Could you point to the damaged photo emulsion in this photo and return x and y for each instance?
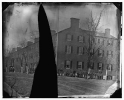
(86, 45)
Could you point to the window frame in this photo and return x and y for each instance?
(109, 68)
(81, 39)
(68, 37)
(82, 65)
(109, 42)
(109, 54)
(80, 50)
(100, 68)
(70, 64)
(68, 49)
(100, 54)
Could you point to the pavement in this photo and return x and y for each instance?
(68, 86)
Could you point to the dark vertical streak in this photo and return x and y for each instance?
(45, 77)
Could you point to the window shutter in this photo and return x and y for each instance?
(107, 53)
(65, 64)
(77, 50)
(71, 37)
(71, 49)
(93, 51)
(98, 52)
(107, 66)
(66, 48)
(78, 38)
(102, 52)
(98, 40)
(70, 64)
(111, 67)
(82, 65)
(93, 66)
(87, 65)
(83, 39)
(97, 66)
(102, 66)
(112, 53)
(112, 42)
(83, 50)
(77, 65)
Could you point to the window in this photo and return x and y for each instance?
(69, 37)
(68, 49)
(100, 66)
(92, 40)
(80, 38)
(100, 53)
(80, 65)
(67, 64)
(98, 41)
(109, 53)
(109, 67)
(110, 42)
(91, 51)
(80, 50)
(91, 65)
(103, 41)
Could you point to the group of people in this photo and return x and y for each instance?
(87, 75)
(23, 69)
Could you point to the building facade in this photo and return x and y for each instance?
(23, 60)
(73, 49)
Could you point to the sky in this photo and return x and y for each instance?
(62, 14)
(59, 19)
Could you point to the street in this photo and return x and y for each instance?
(66, 85)
(80, 86)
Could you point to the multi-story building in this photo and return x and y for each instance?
(73, 49)
(23, 60)
(72, 53)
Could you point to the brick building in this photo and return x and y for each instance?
(73, 59)
(23, 60)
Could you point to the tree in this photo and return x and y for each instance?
(92, 25)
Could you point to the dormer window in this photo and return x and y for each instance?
(69, 37)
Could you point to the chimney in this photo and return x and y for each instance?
(107, 32)
(74, 22)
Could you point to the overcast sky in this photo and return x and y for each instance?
(65, 12)
(59, 19)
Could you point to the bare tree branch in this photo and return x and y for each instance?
(97, 23)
